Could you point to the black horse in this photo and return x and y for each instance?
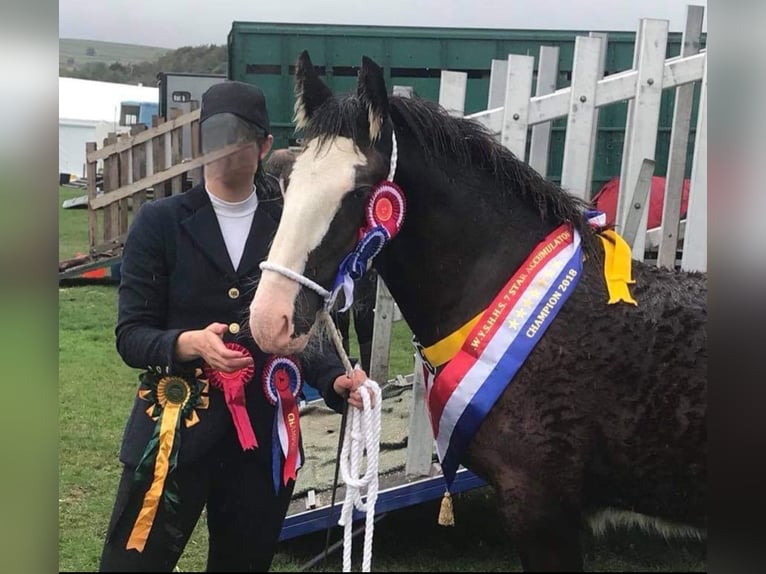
(605, 420)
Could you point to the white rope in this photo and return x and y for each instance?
(297, 277)
(362, 437)
(394, 157)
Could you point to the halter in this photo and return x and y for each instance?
(372, 239)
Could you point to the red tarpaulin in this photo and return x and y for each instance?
(606, 200)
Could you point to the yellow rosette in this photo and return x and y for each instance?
(173, 400)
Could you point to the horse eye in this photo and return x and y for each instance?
(359, 192)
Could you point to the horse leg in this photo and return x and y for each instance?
(545, 529)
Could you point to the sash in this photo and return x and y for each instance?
(461, 395)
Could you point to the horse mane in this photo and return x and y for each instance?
(466, 142)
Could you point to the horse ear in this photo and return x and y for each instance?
(310, 91)
(371, 89)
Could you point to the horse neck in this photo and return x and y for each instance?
(462, 239)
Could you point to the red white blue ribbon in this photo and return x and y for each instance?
(465, 390)
(384, 218)
(282, 381)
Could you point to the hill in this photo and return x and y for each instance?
(135, 64)
(74, 54)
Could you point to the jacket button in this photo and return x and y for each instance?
(233, 293)
(234, 328)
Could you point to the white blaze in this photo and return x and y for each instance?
(318, 182)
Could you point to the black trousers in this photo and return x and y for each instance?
(244, 516)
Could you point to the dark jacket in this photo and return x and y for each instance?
(176, 276)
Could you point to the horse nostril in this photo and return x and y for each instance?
(284, 330)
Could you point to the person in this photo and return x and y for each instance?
(202, 431)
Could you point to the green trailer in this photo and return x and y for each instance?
(265, 54)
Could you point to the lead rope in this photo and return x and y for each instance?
(362, 435)
(363, 427)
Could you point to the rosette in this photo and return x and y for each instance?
(386, 208)
(233, 387)
(172, 399)
(282, 382)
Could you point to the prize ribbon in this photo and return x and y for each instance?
(282, 383)
(233, 387)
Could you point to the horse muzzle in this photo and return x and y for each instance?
(271, 316)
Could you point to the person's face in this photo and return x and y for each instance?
(241, 164)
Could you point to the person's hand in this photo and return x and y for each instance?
(208, 344)
(344, 384)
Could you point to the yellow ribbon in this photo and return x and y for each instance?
(442, 351)
(617, 267)
(143, 524)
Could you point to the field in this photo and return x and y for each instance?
(96, 391)
(74, 53)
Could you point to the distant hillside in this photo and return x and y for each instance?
(74, 54)
(134, 64)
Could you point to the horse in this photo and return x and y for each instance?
(604, 422)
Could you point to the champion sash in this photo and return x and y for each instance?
(461, 395)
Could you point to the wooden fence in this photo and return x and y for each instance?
(147, 161)
(514, 115)
(522, 121)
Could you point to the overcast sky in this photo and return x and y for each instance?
(174, 23)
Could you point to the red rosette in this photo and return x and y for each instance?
(233, 387)
(386, 207)
(282, 383)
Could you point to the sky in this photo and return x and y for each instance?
(175, 23)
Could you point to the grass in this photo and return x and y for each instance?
(96, 391)
(73, 53)
(73, 225)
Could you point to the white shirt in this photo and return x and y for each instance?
(235, 220)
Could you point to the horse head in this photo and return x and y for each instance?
(347, 151)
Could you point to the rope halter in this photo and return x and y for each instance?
(385, 214)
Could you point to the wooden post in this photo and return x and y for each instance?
(594, 137)
(420, 440)
(498, 76)
(381, 333)
(138, 170)
(578, 153)
(679, 143)
(176, 153)
(694, 257)
(111, 183)
(639, 207)
(518, 90)
(159, 163)
(642, 140)
(125, 168)
(547, 74)
(196, 148)
(92, 219)
(452, 88)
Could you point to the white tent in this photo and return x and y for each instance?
(88, 111)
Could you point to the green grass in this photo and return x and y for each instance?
(73, 225)
(96, 391)
(106, 52)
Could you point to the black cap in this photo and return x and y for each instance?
(243, 100)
